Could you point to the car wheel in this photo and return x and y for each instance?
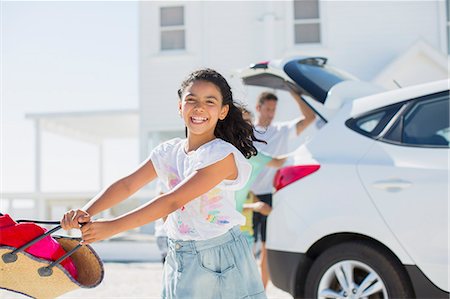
(356, 270)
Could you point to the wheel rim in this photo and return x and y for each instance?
(351, 279)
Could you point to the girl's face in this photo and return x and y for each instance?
(201, 108)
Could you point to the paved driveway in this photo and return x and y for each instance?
(131, 280)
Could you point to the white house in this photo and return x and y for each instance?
(361, 37)
(378, 41)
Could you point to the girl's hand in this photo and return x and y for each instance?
(73, 219)
(97, 230)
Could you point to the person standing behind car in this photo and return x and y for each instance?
(246, 202)
(277, 136)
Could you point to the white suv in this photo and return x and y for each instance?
(362, 212)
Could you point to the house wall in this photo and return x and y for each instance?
(361, 37)
(364, 36)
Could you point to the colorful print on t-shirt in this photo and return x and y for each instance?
(211, 214)
(185, 229)
(210, 205)
(172, 178)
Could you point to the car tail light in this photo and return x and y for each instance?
(260, 65)
(290, 174)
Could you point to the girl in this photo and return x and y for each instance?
(208, 256)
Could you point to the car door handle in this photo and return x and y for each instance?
(392, 185)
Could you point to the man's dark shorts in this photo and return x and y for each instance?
(259, 220)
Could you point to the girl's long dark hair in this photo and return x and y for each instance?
(233, 128)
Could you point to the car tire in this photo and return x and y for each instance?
(357, 270)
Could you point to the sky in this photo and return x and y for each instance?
(65, 57)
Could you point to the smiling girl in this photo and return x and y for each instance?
(208, 256)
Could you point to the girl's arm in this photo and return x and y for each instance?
(192, 187)
(115, 193)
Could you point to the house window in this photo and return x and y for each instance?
(306, 22)
(172, 28)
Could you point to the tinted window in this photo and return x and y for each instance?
(372, 123)
(395, 133)
(427, 123)
(369, 123)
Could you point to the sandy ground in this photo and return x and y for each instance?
(132, 270)
(132, 280)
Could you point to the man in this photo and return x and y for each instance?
(277, 137)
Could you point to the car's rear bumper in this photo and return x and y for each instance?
(288, 270)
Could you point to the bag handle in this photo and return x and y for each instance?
(11, 257)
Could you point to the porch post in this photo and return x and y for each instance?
(40, 201)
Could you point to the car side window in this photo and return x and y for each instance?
(427, 123)
(372, 123)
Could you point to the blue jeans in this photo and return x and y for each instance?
(221, 267)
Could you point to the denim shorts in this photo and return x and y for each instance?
(250, 238)
(220, 267)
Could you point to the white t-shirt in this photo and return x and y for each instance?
(213, 213)
(277, 137)
(160, 231)
(159, 224)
